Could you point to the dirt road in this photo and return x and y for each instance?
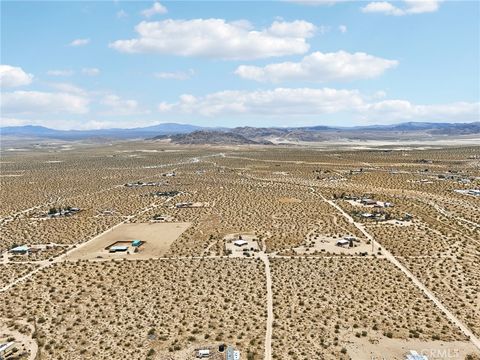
(268, 334)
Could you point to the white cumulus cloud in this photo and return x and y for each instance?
(320, 67)
(402, 110)
(156, 8)
(309, 103)
(176, 75)
(66, 72)
(279, 101)
(80, 42)
(35, 102)
(91, 71)
(121, 107)
(217, 38)
(121, 14)
(410, 7)
(317, 2)
(12, 76)
(69, 88)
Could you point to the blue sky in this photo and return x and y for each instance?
(274, 63)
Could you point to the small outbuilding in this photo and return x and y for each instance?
(23, 249)
(113, 249)
(203, 353)
(232, 354)
(136, 243)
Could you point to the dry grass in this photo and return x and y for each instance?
(10, 272)
(107, 310)
(319, 302)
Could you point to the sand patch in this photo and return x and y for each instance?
(288, 200)
(157, 238)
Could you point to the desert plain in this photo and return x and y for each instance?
(281, 252)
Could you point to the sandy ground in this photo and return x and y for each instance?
(287, 200)
(157, 237)
(397, 223)
(380, 347)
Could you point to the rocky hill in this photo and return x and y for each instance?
(202, 137)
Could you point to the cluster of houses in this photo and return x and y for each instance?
(424, 161)
(366, 201)
(375, 216)
(30, 249)
(186, 205)
(124, 248)
(107, 212)
(381, 216)
(141, 184)
(443, 177)
(165, 193)
(68, 211)
(421, 181)
(161, 218)
(332, 178)
(183, 205)
(347, 241)
(229, 352)
(471, 192)
(461, 179)
(356, 171)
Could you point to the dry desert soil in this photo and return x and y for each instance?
(407, 276)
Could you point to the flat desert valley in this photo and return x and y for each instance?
(149, 250)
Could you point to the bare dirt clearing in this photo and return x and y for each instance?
(157, 238)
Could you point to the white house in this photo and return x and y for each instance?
(240, 242)
(342, 242)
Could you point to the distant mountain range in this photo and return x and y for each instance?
(191, 134)
(141, 132)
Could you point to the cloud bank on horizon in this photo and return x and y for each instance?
(276, 64)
